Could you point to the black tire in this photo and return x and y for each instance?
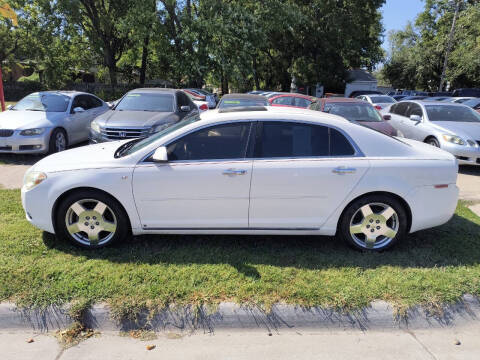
(54, 146)
(432, 141)
(354, 216)
(114, 214)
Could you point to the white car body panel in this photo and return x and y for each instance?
(301, 196)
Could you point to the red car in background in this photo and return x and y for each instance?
(356, 110)
(290, 100)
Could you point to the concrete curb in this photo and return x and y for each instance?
(228, 316)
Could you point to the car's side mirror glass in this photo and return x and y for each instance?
(185, 108)
(416, 118)
(160, 155)
(78, 110)
(387, 117)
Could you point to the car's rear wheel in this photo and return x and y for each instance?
(373, 223)
(91, 219)
(58, 141)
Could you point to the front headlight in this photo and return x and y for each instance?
(454, 139)
(32, 179)
(32, 132)
(95, 127)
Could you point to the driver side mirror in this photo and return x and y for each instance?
(78, 110)
(9, 107)
(185, 108)
(416, 118)
(160, 155)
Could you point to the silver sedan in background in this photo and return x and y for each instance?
(379, 102)
(452, 127)
(48, 121)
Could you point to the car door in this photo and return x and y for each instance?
(398, 117)
(204, 185)
(301, 173)
(78, 123)
(183, 100)
(414, 129)
(96, 107)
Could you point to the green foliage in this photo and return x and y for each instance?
(417, 53)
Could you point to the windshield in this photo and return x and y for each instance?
(354, 111)
(43, 102)
(228, 103)
(451, 113)
(146, 102)
(382, 99)
(145, 142)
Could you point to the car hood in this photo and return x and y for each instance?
(84, 157)
(14, 119)
(116, 118)
(382, 126)
(469, 130)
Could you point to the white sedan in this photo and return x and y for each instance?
(245, 171)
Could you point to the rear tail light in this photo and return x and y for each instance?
(441, 186)
(378, 107)
(203, 107)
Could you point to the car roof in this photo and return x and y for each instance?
(155, 90)
(244, 96)
(431, 102)
(283, 94)
(343, 100)
(69, 93)
(271, 112)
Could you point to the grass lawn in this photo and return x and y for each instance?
(429, 268)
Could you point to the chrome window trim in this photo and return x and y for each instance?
(357, 154)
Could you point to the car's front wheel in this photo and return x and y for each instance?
(373, 223)
(58, 141)
(91, 219)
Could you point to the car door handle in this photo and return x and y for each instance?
(344, 170)
(234, 172)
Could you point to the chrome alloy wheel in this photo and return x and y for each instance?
(60, 141)
(90, 222)
(374, 225)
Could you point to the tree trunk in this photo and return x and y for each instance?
(143, 69)
(255, 74)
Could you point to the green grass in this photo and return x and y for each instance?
(430, 267)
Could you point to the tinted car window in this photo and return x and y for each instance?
(339, 144)
(382, 99)
(82, 101)
(94, 102)
(283, 100)
(301, 102)
(182, 100)
(452, 113)
(401, 109)
(414, 109)
(146, 102)
(216, 142)
(284, 139)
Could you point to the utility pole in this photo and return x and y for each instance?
(449, 45)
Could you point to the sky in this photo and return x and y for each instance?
(396, 14)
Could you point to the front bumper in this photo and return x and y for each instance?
(97, 138)
(37, 208)
(19, 144)
(466, 155)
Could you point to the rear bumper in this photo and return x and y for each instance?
(431, 206)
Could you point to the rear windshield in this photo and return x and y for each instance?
(354, 111)
(382, 99)
(451, 113)
(228, 103)
(474, 103)
(146, 102)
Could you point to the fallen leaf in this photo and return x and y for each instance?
(30, 340)
(150, 347)
(457, 342)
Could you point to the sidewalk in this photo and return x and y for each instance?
(286, 344)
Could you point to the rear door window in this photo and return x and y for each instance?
(283, 100)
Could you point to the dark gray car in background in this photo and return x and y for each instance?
(140, 113)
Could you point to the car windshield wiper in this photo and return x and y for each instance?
(125, 147)
(33, 110)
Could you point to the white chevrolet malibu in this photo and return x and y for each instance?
(246, 171)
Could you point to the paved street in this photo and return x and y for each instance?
(291, 344)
